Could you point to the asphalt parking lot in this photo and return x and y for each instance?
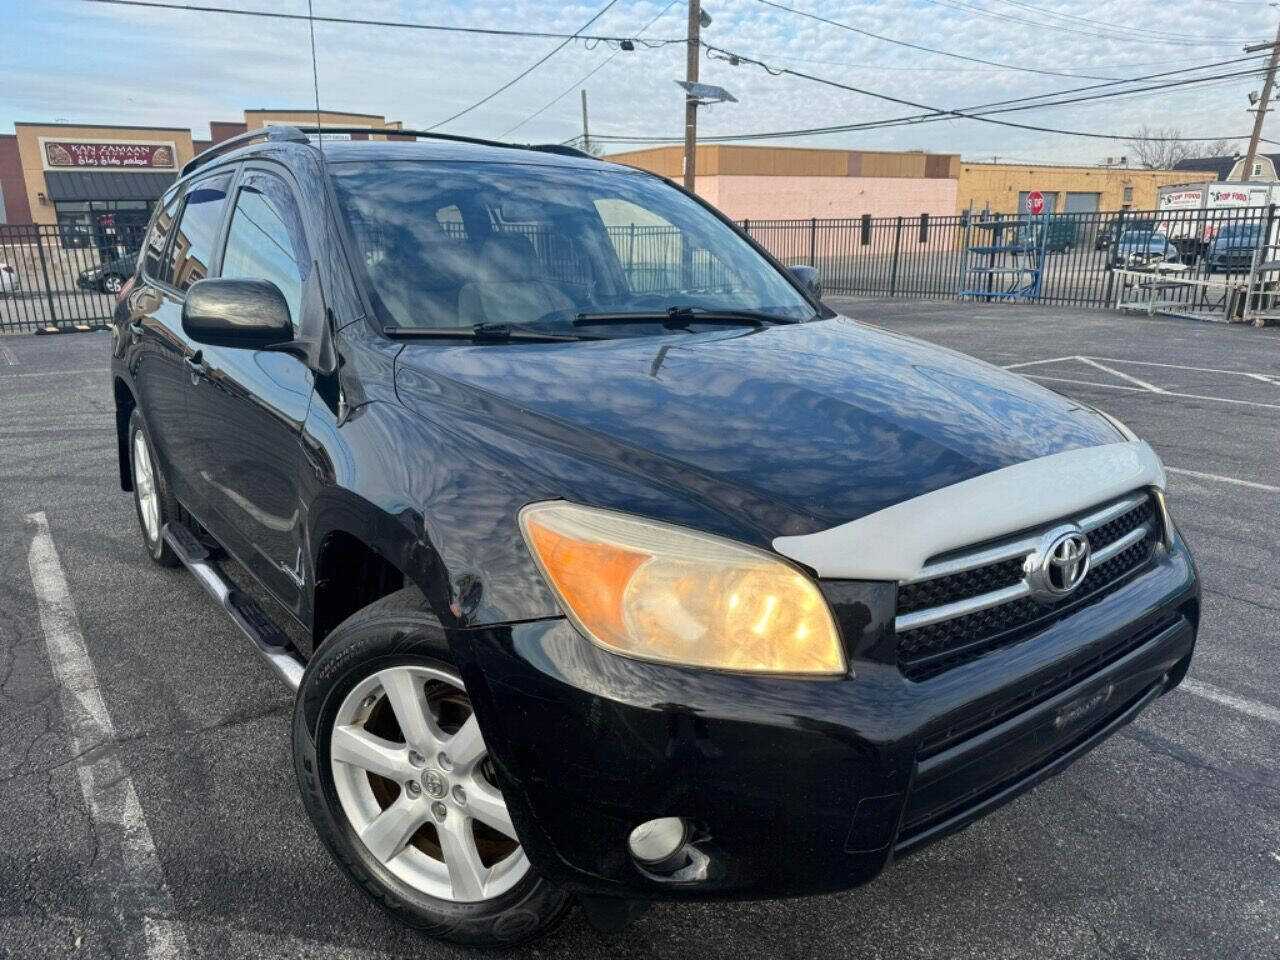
(147, 794)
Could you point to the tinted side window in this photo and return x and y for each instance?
(192, 250)
(153, 262)
(266, 240)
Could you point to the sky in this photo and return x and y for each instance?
(87, 62)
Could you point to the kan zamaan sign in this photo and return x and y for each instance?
(72, 154)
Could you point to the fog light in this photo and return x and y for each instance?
(658, 844)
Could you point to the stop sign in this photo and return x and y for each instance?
(1035, 203)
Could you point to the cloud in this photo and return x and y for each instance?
(125, 65)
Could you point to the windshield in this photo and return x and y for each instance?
(1240, 231)
(450, 244)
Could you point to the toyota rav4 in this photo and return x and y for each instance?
(609, 565)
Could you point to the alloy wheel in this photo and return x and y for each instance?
(144, 481)
(111, 283)
(414, 780)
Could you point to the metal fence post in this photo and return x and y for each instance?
(1253, 295)
(893, 269)
(746, 226)
(48, 287)
(813, 241)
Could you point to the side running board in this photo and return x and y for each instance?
(271, 641)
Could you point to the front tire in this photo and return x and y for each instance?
(111, 283)
(396, 778)
(152, 500)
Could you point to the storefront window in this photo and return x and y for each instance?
(115, 227)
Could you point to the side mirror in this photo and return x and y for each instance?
(809, 279)
(223, 312)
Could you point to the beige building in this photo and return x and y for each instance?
(788, 183)
(99, 182)
(1003, 187)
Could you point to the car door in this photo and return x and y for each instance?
(163, 355)
(248, 406)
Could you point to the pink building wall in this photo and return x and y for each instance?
(787, 198)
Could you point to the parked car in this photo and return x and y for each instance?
(109, 277)
(1142, 248)
(699, 591)
(1115, 227)
(1059, 234)
(1233, 247)
(9, 282)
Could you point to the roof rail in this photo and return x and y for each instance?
(430, 135)
(279, 133)
(562, 149)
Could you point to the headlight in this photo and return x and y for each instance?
(658, 592)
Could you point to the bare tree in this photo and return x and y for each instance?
(1219, 148)
(1160, 148)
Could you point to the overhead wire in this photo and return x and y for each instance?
(919, 46)
(1152, 38)
(396, 24)
(940, 113)
(528, 70)
(585, 77)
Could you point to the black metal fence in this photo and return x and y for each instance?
(1079, 259)
(52, 275)
(1204, 262)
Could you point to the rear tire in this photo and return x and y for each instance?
(154, 504)
(382, 692)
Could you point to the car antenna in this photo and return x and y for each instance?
(343, 409)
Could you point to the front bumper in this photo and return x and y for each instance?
(806, 786)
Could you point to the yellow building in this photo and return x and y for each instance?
(1003, 187)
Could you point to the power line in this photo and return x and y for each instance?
(587, 76)
(939, 113)
(1183, 41)
(917, 46)
(396, 24)
(524, 73)
(1043, 11)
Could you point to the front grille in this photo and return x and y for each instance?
(967, 603)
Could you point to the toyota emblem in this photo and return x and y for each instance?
(1059, 565)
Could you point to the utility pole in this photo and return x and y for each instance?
(1260, 110)
(586, 134)
(690, 101)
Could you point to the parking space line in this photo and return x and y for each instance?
(141, 894)
(52, 373)
(1120, 386)
(1034, 363)
(1253, 708)
(1123, 376)
(1264, 377)
(1251, 484)
(7, 355)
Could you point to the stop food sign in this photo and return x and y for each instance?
(1035, 203)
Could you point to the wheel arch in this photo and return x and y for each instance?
(361, 554)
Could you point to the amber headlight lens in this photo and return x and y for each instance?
(660, 592)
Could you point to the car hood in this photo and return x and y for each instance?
(788, 428)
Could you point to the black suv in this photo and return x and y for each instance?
(626, 570)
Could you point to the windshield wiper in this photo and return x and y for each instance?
(681, 316)
(483, 333)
